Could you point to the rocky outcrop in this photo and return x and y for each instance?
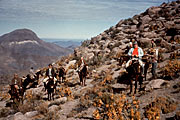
(156, 23)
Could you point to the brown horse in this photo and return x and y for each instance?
(135, 74)
(61, 74)
(123, 59)
(16, 94)
(82, 75)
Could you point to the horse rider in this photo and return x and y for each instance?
(154, 53)
(128, 47)
(50, 74)
(31, 72)
(16, 81)
(81, 64)
(136, 53)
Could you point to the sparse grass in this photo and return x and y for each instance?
(172, 69)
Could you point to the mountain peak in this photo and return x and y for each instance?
(19, 35)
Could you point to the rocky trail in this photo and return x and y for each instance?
(105, 95)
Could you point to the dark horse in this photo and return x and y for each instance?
(135, 74)
(82, 75)
(51, 87)
(31, 82)
(123, 59)
(61, 74)
(16, 94)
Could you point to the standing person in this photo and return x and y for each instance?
(50, 74)
(16, 81)
(154, 59)
(136, 53)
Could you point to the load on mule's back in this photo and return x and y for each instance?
(82, 71)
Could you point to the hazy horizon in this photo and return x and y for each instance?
(68, 19)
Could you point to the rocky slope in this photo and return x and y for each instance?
(22, 49)
(105, 96)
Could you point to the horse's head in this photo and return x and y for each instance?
(122, 59)
(136, 66)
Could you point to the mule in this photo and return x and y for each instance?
(61, 75)
(17, 95)
(51, 87)
(82, 75)
(135, 74)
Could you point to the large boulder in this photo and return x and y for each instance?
(145, 42)
(17, 116)
(146, 19)
(155, 84)
(53, 108)
(31, 114)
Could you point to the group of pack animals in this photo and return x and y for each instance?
(50, 86)
(134, 73)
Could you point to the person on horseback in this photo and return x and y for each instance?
(32, 73)
(50, 74)
(16, 81)
(136, 53)
(81, 64)
(128, 47)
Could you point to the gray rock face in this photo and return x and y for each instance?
(155, 84)
(17, 116)
(31, 114)
(53, 108)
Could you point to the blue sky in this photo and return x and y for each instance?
(76, 19)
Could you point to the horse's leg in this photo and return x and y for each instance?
(81, 80)
(136, 79)
(84, 80)
(140, 82)
(53, 95)
(48, 96)
(44, 86)
(131, 86)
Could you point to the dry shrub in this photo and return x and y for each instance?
(108, 79)
(4, 112)
(172, 69)
(51, 116)
(42, 108)
(116, 107)
(65, 92)
(166, 105)
(29, 104)
(4, 96)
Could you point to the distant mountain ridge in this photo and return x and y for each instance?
(66, 43)
(22, 49)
